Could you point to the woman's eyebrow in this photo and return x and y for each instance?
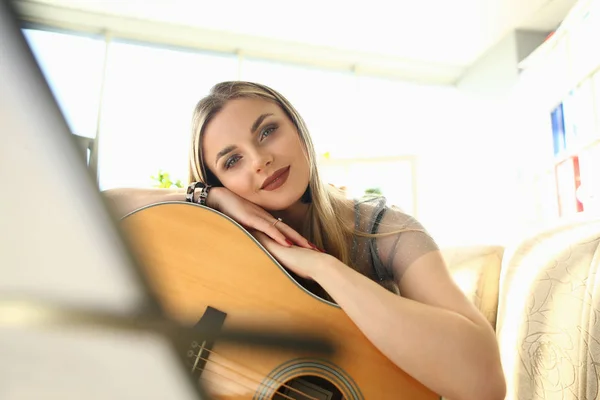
(226, 150)
(259, 121)
(253, 129)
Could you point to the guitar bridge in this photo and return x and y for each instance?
(212, 321)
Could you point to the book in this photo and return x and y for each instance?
(558, 129)
(567, 183)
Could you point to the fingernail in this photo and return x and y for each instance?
(314, 247)
(289, 242)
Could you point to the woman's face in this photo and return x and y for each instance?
(254, 149)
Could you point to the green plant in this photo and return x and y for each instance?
(164, 181)
(373, 192)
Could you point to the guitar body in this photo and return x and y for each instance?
(197, 259)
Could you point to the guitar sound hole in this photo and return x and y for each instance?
(308, 387)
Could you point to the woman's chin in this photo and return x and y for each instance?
(281, 202)
(278, 206)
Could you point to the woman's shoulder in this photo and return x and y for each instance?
(376, 213)
(401, 238)
(392, 237)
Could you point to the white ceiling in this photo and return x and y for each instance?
(440, 34)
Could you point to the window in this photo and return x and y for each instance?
(368, 132)
(401, 118)
(150, 94)
(394, 177)
(73, 66)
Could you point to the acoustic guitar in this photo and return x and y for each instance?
(205, 267)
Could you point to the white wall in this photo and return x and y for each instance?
(474, 170)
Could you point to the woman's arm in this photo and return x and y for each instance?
(440, 339)
(123, 201)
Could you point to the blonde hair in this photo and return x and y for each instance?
(325, 228)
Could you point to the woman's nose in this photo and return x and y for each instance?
(261, 161)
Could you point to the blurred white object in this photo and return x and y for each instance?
(59, 247)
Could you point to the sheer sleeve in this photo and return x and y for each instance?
(403, 240)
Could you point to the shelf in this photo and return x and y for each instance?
(562, 76)
(566, 58)
(574, 20)
(565, 155)
(548, 167)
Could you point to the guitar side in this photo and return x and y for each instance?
(196, 258)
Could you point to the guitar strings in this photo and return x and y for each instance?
(282, 384)
(217, 383)
(273, 380)
(238, 383)
(247, 377)
(223, 385)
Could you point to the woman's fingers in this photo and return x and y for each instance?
(270, 229)
(282, 233)
(290, 235)
(276, 229)
(294, 236)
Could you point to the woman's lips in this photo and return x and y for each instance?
(276, 180)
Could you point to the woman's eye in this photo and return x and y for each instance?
(231, 161)
(267, 131)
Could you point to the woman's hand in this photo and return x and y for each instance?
(253, 217)
(303, 262)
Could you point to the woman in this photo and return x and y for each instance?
(253, 150)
